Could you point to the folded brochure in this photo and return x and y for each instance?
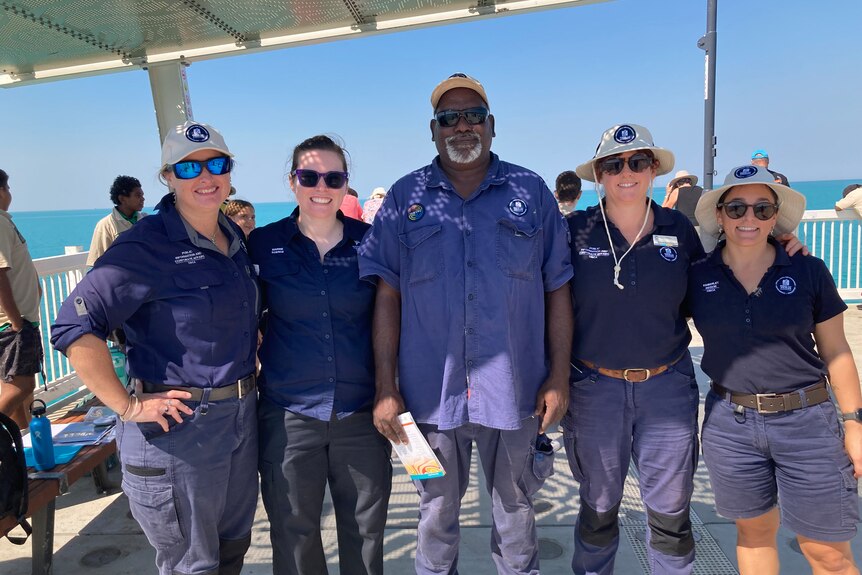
(417, 456)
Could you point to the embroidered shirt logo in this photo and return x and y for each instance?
(785, 285)
(189, 257)
(279, 250)
(518, 207)
(710, 287)
(668, 253)
(594, 253)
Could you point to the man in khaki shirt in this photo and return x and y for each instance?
(20, 340)
(852, 199)
(128, 198)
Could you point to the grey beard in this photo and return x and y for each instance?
(463, 157)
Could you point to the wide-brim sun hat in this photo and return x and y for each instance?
(681, 175)
(791, 204)
(379, 192)
(626, 138)
(190, 137)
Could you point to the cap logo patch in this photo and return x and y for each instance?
(624, 134)
(668, 253)
(744, 172)
(415, 212)
(518, 207)
(197, 133)
(785, 285)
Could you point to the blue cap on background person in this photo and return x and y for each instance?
(759, 155)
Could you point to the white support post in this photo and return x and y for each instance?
(170, 95)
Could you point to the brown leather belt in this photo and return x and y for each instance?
(776, 402)
(632, 375)
(235, 390)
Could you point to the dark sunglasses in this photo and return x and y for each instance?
(637, 163)
(190, 169)
(735, 209)
(450, 118)
(309, 178)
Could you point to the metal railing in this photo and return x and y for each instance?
(58, 276)
(836, 238)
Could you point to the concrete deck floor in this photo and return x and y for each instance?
(95, 534)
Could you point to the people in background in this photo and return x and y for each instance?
(851, 199)
(128, 198)
(567, 190)
(761, 159)
(772, 328)
(182, 286)
(20, 339)
(350, 206)
(317, 379)
(682, 193)
(241, 212)
(372, 204)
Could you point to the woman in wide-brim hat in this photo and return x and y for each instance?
(772, 441)
(633, 392)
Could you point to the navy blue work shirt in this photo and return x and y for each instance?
(643, 325)
(472, 276)
(762, 342)
(316, 354)
(189, 312)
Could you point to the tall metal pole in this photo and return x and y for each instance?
(708, 44)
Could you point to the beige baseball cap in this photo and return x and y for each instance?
(457, 80)
(188, 138)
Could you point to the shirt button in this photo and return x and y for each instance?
(326, 271)
(748, 320)
(468, 232)
(469, 263)
(470, 363)
(748, 311)
(470, 297)
(331, 379)
(245, 304)
(328, 358)
(323, 292)
(236, 275)
(633, 283)
(326, 336)
(325, 314)
(470, 330)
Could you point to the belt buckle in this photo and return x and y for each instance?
(764, 396)
(643, 369)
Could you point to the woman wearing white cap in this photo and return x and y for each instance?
(633, 391)
(771, 436)
(182, 287)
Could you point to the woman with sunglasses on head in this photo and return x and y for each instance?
(771, 436)
(317, 380)
(188, 432)
(633, 391)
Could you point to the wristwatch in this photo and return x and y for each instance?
(852, 416)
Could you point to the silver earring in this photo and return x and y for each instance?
(720, 230)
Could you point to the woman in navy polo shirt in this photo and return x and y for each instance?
(633, 391)
(317, 380)
(182, 287)
(771, 433)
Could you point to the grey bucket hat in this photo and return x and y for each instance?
(626, 138)
(791, 204)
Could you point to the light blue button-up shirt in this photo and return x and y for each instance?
(473, 276)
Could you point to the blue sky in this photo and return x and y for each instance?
(789, 81)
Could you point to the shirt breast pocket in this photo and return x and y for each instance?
(197, 295)
(518, 249)
(422, 254)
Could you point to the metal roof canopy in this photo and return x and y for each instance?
(44, 40)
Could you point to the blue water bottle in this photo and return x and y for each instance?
(40, 432)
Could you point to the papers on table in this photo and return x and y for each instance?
(80, 433)
(417, 456)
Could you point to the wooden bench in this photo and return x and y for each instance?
(46, 486)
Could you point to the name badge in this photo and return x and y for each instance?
(665, 241)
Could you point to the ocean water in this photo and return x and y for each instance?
(48, 232)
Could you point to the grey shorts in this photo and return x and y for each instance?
(20, 352)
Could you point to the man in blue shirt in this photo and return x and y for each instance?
(474, 256)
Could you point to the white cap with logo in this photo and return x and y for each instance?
(188, 138)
